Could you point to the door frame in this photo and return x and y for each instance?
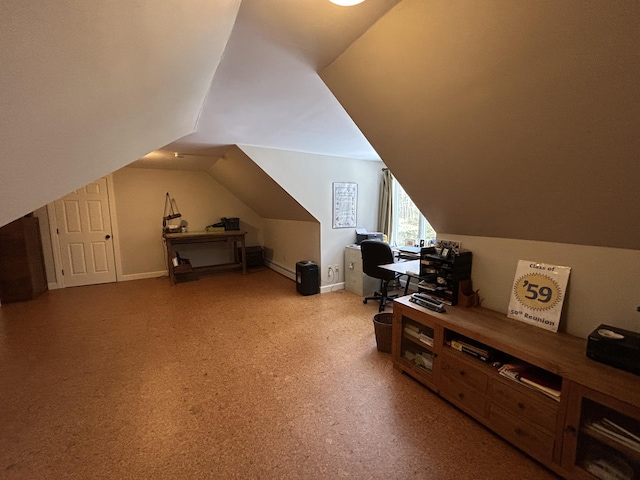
(115, 236)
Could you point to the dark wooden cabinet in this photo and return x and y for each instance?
(22, 272)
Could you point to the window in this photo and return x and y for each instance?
(409, 225)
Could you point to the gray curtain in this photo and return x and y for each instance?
(386, 204)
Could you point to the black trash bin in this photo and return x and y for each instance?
(307, 278)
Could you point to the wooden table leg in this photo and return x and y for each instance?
(244, 256)
(172, 276)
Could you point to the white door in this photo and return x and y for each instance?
(84, 235)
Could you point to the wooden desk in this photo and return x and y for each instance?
(230, 236)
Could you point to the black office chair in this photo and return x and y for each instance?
(374, 253)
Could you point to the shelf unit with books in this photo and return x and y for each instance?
(550, 399)
(604, 440)
(416, 348)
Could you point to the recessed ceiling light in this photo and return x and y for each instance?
(346, 3)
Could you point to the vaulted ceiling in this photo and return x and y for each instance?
(91, 87)
(504, 119)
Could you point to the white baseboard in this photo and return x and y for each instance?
(281, 270)
(332, 288)
(52, 286)
(141, 276)
(292, 276)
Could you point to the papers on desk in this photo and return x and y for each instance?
(408, 253)
(430, 286)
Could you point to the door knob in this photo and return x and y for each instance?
(107, 237)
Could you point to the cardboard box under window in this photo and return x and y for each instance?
(254, 256)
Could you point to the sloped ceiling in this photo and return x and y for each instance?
(267, 91)
(88, 87)
(247, 181)
(506, 119)
(500, 118)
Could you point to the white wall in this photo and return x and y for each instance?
(309, 179)
(140, 196)
(287, 242)
(603, 284)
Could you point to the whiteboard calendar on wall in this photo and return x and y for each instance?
(345, 204)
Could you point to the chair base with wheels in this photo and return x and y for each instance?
(375, 253)
(382, 296)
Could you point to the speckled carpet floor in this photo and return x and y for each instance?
(231, 376)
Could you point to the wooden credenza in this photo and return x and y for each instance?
(559, 434)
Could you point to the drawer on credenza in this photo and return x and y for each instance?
(525, 403)
(463, 395)
(533, 440)
(465, 372)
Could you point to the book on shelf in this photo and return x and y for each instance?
(415, 332)
(475, 349)
(427, 340)
(485, 356)
(422, 360)
(609, 467)
(412, 330)
(533, 377)
(542, 380)
(512, 370)
(615, 432)
(458, 343)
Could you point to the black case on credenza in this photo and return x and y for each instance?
(621, 353)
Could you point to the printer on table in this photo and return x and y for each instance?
(362, 234)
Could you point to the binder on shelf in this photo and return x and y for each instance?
(459, 344)
(474, 349)
(485, 357)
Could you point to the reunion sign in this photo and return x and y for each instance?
(538, 294)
